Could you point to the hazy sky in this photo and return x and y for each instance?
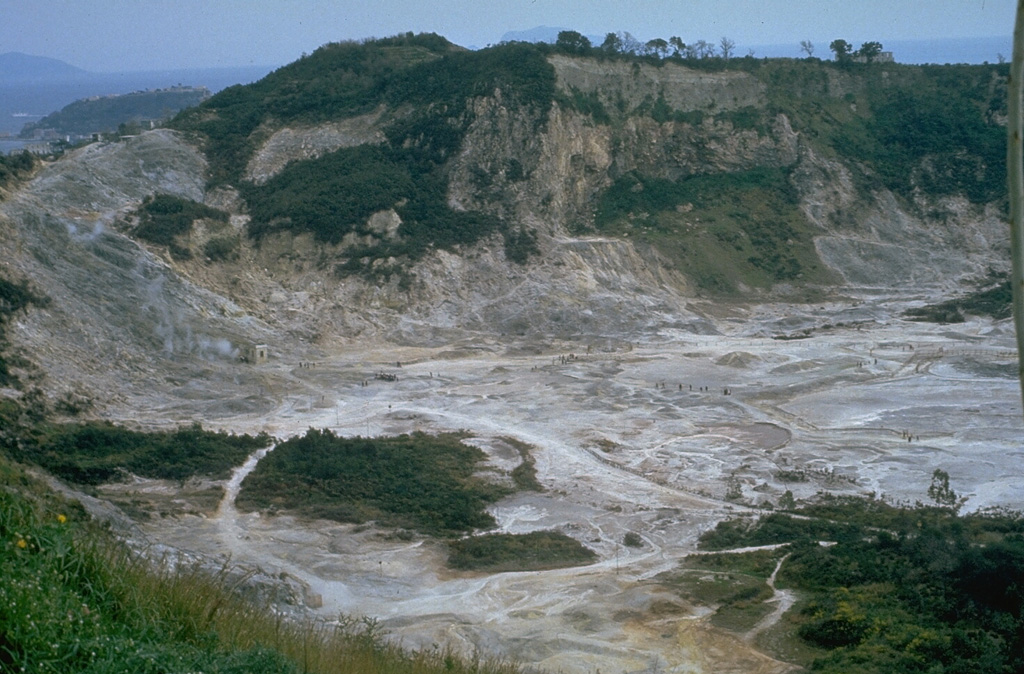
(119, 35)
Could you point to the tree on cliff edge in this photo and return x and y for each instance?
(572, 42)
(841, 48)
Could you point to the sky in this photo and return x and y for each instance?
(127, 35)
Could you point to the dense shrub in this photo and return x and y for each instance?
(417, 481)
(995, 302)
(901, 589)
(518, 552)
(221, 248)
(14, 298)
(15, 167)
(98, 452)
(940, 136)
(329, 196)
(164, 217)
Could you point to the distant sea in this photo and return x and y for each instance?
(24, 102)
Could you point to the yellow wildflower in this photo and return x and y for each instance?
(61, 519)
(22, 543)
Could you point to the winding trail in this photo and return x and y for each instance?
(784, 600)
(231, 532)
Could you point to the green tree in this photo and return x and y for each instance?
(571, 42)
(807, 47)
(940, 491)
(678, 45)
(629, 44)
(657, 47)
(841, 48)
(705, 49)
(869, 51)
(612, 43)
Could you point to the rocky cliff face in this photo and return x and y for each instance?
(877, 243)
(125, 310)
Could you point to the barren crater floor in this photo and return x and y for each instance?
(635, 437)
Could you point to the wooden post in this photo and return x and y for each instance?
(1015, 180)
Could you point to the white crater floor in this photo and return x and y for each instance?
(663, 438)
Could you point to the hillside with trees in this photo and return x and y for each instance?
(106, 114)
(917, 132)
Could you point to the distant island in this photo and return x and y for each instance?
(32, 87)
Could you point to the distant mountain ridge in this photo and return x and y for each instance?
(17, 67)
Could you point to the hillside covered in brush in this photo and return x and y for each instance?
(105, 114)
(391, 148)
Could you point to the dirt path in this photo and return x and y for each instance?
(783, 600)
(232, 533)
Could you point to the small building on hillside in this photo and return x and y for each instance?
(881, 57)
(256, 354)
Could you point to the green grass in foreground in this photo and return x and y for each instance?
(518, 552)
(75, 599)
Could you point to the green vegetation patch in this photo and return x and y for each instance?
(14, 299)
(98, 452)
(773, 529)
(939, 133)
(899, 589)
(720, 230)
(335, 194)
(525, 474)
(419, 481)
(15, 167)
(107, 113)
(995, 302)
(329, 196)
(518, 552)
(163, 218)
